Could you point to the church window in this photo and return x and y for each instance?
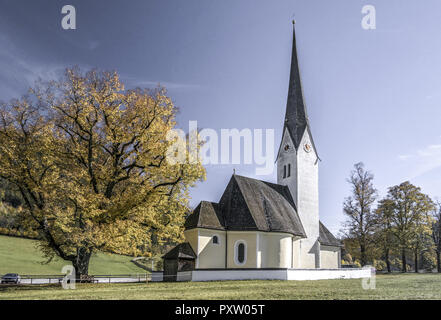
(240, 252)
(284, 171)
(216, 239)
(289, 169)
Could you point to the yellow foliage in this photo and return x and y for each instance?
(89, 159)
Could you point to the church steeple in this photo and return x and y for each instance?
(296, 118)
(297, 165)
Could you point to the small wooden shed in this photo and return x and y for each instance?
(180, 258)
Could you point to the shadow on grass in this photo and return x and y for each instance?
(24, 287)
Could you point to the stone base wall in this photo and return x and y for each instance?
(274, 274)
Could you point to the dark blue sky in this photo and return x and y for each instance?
(372, 96)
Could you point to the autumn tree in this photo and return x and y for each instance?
(410, 208)
(10, 203)
(436, 234)
(384, 236)
(89, 161)
(421, 240)
(360, 221)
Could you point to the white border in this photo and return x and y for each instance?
(236, 245)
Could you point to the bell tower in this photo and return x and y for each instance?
(297, 165)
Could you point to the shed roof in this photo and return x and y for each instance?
(207, 214)
(182, 250)
(326, 238)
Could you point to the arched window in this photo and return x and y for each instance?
(216, 239)
(289, 169)
(240, 252)
(284, 171)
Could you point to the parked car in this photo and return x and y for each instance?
(11, 278)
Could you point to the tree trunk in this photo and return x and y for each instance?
(81, 262)
(438, 261)
(363, 255)
(416, 260)
(387, 260)
(403, 260)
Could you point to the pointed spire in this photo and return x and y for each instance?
(296, 118)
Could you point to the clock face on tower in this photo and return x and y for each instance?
(307, 147)
(286, 148)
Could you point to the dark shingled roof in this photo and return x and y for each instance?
(326, 238)
(296, 118)
(249, 204)
(182, 250)
(207, 214)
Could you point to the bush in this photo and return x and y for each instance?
(19, 233)
(357, 263)
(428, 260)
(379, 265)
(347, 258)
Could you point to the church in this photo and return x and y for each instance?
(262, 225)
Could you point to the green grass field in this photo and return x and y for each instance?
(21, 256)
(397, 286)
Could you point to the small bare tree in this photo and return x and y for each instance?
(361, 221)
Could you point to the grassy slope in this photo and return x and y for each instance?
(21, 256)
(399, 286)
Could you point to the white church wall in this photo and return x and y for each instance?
(329, 257)
(296, 253)
(191, 236)
(284, 158)
(275, 250)
(263, 249)
(250, 240)
(303, 184)
(308, 202)
(285, 252)
(211, 255)
(308, 254)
